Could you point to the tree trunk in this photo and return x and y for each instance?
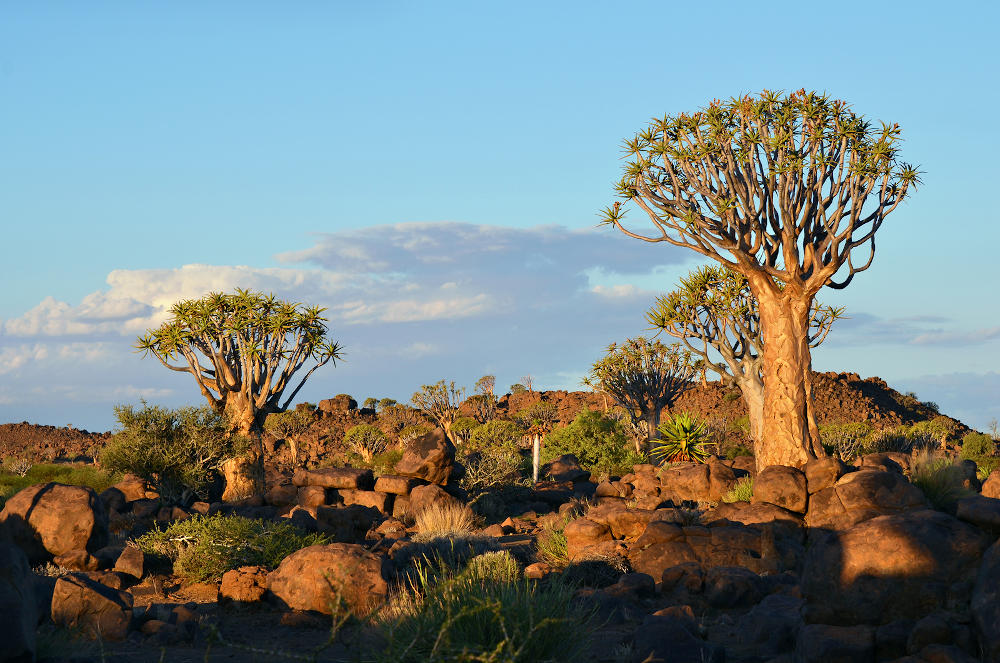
(752, 388)
(245, 474)
(785, 437)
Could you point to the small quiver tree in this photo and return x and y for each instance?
(789, 191)
(715, 315)
(289, 426)
(643, 376)
(439, 401)
(243, 350)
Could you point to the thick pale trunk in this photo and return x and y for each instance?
(785, 437)
(244, 475)
(752, 388)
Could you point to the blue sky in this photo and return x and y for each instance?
(432, 173)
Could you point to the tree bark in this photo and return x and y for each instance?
(752, 388)
(245, 474)
(785, 436)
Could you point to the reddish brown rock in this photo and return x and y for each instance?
(18, 607)
(282, 495)
(862, 495)
(991, 487)
(311, 496)
(337, 404)
(133, 487)
(335, 477)
(430, 457)
(77, 560)
(397, 485)
(902, 566)
(664, 545)
(781, 486)
(584, 533)
(132, 561)
(985, 605)
(247, 584)
(51, 519)
(97, 610)
(696, 482)
(321, 578)
(423, 497)
(565, 468)
(887, 462)
(822, 643)
(372, 498)
(824, 472)
(537, 571)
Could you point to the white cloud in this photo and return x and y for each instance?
(14, 358)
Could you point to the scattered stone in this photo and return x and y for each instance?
(324, 578)
(824, 472)
(132, 488)
(732, 587)
(537, 571)
(395, 484)
(424, 497)
(335, 477)
(781, 486)
(566, 468)
(371, 498)
(282, 495)
(822, 643)
(77, 560)
(311, 496)
(247, 584)
(97, 610)
(132, 561)
(983, 512)
(430, 457)
(51, 519)
(18, 606)
(583, 533)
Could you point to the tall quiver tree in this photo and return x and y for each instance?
(714, 314)
(243, 350)
(783, 189)
(643, 376)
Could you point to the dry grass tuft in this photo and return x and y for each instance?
(444, 520)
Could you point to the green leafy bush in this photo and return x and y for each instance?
(205, 547)
(537, 414)
(742, 491)
(463, 427)
(496, 435)
(412, 431)
(597, 441)
(493, 566)
(551, 542)
(69, 474)
(518, 388)
(976, 444)
(177, 451)
(490, 468)
(682, 438)
(463, 618)
(366, 440)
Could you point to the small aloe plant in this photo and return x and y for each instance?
(682, 438)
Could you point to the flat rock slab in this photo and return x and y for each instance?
(397, 485)
(335, 477)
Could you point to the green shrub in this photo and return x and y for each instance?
(936, 429)
(460, 618)
(443, 520)
(493, 566)
(463, 427)
(986, 465)
(597, 441)
(551, 543)
(412, 432)
(940, 479)
(537, 414)
(682, 438)
(66, 473)
(177, 451)
(845, 440)
(490, 468)
(518, 388)
(976, 444)
(496, 435)
(742, 491)
(380, 463)
(205, 547)
(366, 440)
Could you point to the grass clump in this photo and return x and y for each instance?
(462, 617)
(205, 547)
(742, 491)
(493, 566)
(940, 478)
(70, 474)
(448, 519)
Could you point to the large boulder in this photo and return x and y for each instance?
(781, 486)
(823, 643)
(986, 604)
(665, 544)
(565, 468)
(696, 482)
(670, 638)
(339, 403)
(991, 487)
(350, 478)
(901, 566)
(430, 495)
(18, 611)
(332, 577)
(859, 496)
(430, 457)
(48, 520)
(99, 611)
(824, 472)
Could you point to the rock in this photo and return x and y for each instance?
(132, 561)
(339, 403)
(51, 519)
(902, 566)
(785, 522)
(346, 524)
(732, 587)
(282, 495)
(991, 487)
(424, 497)
(824, 472)
(822, 643)
(537, 571)
(565, 468)
(311, 496)
(324, 577)
(945, 654)
(772, 626)
(682, 580)
(985, 606)
(931, 630)
(862, 495)
(18, 606)
(113, 500)
(667, 638)
(633, 586)
(983, 512)
(891, 638)
(372, 498)
(886, 462)
(132, 487)
(429, 457)
(781, 486)
(623, 522)
(583, 533)
(335, 477)
(664, 544)
(77, 560)
(247, 584)
(397, 485)
(97, 610)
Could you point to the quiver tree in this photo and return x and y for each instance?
(243, 350)
(439, 401)
(789, 191)
(643, 377)
(484, 402)
(714, 314)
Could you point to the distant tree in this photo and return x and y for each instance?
(370, 403)
(715, 315)
(789, 190)
(518, 388)
(386, 402)
(528, 382)
(243, 350)
(289, 426)
(484, 402)
(643, 377)
(439, 401)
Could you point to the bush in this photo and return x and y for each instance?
(683, 438)
(597, 441)
(463, 427)
(940, 479)
(492, 467)
(496, 435)
(976, 444)
(443, 520)
(985, 466)
(518, 388)
(845, 440)
(537, 414)
(462, 618)
(551, 542)
(494, 566)
(69, 474)
(178, 451)
(205, 547)
(742, 491)
(366, 440)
